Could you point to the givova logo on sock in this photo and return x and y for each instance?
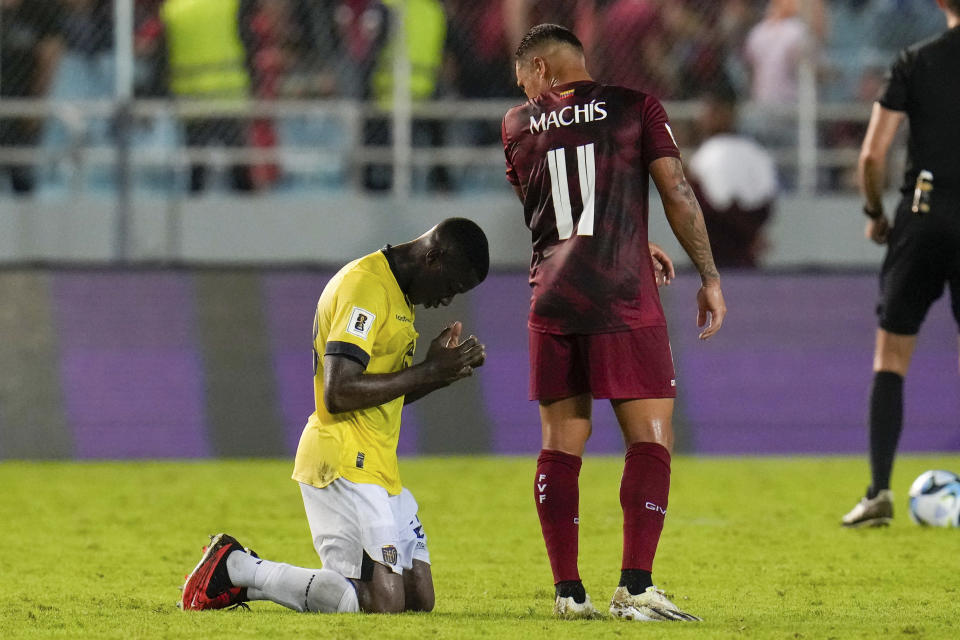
(655, 507)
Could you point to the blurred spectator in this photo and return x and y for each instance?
(362, 30)
(479, 55)
(634, 48)
(295, 48)
(290, 60)
(734, 22)
(699, 44)
(578, 15)
(85, 72)
(670, 49)
(150, 70)
(88, 26)
(900, 23)
(775, 50)
(425, 26)
(207, 58)
(735, 181)
(479, 65)
(850, 50)
(31, 43)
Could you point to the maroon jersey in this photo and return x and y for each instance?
(579, 154)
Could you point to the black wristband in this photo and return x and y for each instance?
(873, 215)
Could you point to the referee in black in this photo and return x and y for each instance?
(923, 245)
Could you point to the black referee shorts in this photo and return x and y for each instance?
(923, 255)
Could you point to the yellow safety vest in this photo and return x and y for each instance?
(426, 30)
(207, 58)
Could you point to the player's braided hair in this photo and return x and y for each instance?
(543, 33)
(466, 238)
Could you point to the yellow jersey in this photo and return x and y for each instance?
(363, 315)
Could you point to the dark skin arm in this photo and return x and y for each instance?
(347, 388)
(686, 219)
(452, 340)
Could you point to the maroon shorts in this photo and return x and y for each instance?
(629, 364)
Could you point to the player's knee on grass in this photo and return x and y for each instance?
(418, 587)
(380, 590)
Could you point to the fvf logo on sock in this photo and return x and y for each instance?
(655, 507)
(541, 487)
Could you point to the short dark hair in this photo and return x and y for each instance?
(543, 33)
(465, 238)
(953, 5)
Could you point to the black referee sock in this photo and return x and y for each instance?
(886, 423)
(635, 580)
(571, 589)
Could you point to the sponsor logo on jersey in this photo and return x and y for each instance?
(389, 554)
(360, 322)
(593, 111)
(402, 318)
(360, 458)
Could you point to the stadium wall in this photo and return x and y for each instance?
(336, 227)
(191, 363)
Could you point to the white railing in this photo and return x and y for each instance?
(75, 117)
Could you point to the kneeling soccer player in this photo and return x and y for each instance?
(364, 523)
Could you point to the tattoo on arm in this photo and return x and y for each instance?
(686, 220)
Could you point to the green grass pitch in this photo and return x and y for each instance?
(751, 545)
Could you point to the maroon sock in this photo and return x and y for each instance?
(643, 496)
(557, 493)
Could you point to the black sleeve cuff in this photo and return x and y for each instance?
(349, 350)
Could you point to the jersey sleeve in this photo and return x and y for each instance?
(656, 136)
(894, 92)
(511, 172)
(359, 314)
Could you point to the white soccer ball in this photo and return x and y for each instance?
(935, 499)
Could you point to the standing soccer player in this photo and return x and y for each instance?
(364, 523)
(923, 246)
(579, 155)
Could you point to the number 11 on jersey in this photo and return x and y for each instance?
(587, 172)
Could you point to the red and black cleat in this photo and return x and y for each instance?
(208, 586)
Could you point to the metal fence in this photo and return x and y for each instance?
(398, 96)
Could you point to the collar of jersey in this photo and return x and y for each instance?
(566, 85)
(393, 269)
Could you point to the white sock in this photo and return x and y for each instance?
(242, 568)
(316, 590)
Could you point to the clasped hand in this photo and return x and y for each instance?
(452, 359)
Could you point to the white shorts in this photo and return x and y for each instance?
(350, 518)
